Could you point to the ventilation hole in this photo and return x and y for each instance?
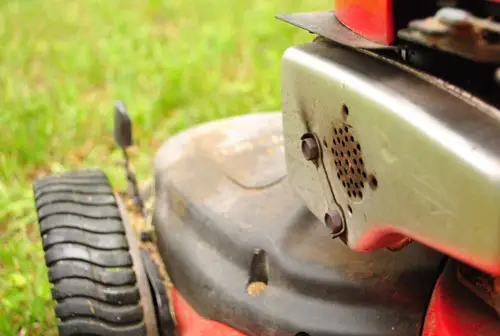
(356, 184)
(347, 162)
(348, 193)
(361, 161)
(346, 138)
(354, 194)
(349, 209)
(334, 141)
(341, 131)
(335, 131)
(343, 184)
(373, 182)
(345, 111)
(352, 138)
(349, 153)
(354, 151)
(361, 194)
(352, 170)
(355, 161)
(346, 130)
(359, 171)
(258, 273)
(325, 143)
(358, 147)
(350, 180)
(338, 174)
(364, 175)
(343, 143)
(342, 154)
(361, 184)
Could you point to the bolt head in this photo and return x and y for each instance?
(335, 222)
(452, 16)
(430, 26)
(146, 236)
(310, 148)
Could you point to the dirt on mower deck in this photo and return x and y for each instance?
(139, 223)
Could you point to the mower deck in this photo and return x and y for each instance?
(242, 249)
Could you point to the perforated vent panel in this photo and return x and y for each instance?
(349, 162)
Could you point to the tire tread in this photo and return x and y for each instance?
(86, 251)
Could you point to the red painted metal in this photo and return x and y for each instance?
(390, 236)
(455, 311)
(372, 19)
(190, 323)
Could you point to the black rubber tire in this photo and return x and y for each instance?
(86, 251)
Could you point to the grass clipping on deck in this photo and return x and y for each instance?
(140, 224)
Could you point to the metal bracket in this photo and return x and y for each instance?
(457, 32)
(124, 139)
(326, 24)
(165, 322)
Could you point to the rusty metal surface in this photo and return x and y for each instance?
(483, 285)
(325, 24)
(434, 153)
(142, 279)
(210, 227)
(457, 32)
(455, 310)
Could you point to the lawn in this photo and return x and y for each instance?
(62, 63)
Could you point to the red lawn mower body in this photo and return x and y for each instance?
(459, 304)
(368, 205)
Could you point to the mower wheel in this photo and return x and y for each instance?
(87, 254)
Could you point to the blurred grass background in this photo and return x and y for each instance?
(63, 63)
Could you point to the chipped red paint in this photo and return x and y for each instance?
(190, 323)
(391, 236)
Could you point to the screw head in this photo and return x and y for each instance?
(335, 222)
(310, 148)
(146, 236)
(452, 16)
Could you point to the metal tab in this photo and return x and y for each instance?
(325, 24)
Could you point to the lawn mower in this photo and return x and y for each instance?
(369, 205)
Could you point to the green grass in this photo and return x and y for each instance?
(62, 63)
